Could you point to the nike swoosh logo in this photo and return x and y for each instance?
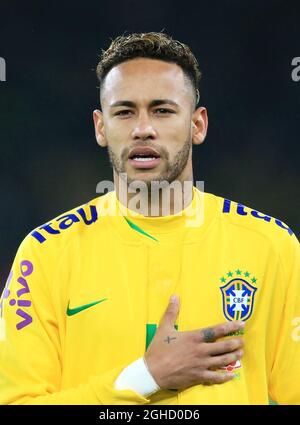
(76, 310)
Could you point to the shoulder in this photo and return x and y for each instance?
(66, 227)
(247, 220)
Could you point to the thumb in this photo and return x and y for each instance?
(171, 313)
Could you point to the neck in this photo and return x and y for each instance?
(155, 199)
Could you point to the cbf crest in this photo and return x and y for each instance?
(238, 295)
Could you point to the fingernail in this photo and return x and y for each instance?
(173, 299)
(242, 323)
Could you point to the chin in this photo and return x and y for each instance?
(144, 176)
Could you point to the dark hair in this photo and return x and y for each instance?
(154, 45)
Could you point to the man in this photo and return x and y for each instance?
(161, 296)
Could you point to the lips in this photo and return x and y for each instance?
(144, 158)
(145, 152)
(144, 162)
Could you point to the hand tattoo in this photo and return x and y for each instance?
(208, 335)
(169, 339)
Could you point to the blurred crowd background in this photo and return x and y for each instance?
(50, 161)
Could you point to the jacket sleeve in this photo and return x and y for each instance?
(30, 350)
(284, 385)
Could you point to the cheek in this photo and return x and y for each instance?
(176, 129)
(117, 142)
(114, 138)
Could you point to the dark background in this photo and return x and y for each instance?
(50, 161)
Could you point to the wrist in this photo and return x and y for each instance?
(138, 378)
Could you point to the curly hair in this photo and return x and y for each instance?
(153, 45)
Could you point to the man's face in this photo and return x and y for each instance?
(146, 120)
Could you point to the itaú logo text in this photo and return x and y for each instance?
(88, 215)
(243, 210)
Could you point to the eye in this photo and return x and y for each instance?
(163, 111)
(123, 113)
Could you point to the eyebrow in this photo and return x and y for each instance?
(155, 102)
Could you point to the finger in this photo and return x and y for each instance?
(225, 359)
(219, 331)
(223, 347)
(211, 378)
(171, 313)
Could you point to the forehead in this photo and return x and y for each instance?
(145, 77)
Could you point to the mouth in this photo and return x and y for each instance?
(144, 158)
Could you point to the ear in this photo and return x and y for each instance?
(199, 125)
(99, 127)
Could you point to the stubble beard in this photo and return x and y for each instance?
(172, 169)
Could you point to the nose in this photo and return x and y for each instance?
(143, 128)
